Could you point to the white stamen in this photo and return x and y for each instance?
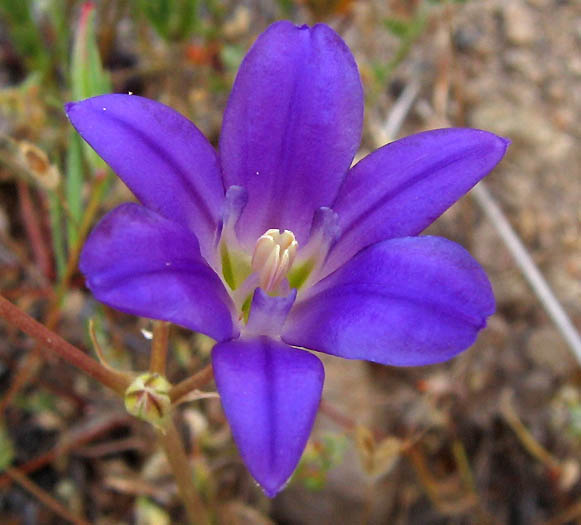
(273, 257)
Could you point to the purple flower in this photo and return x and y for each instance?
(276, 244)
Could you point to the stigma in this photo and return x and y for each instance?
(274, 254)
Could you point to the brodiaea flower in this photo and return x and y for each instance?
(276, 244)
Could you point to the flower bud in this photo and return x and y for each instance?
(147, 398)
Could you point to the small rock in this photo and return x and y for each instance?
(519, 24)
(238, 24)
(547, 349)
(526, 124)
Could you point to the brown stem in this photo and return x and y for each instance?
(114, 380)
(159, 347)
(44, 497)
(178, 460)
(198, 380)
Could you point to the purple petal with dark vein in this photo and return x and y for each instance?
(291, 127)
(143, 264)
(163, 158)
(270, 393)
(401, 188)
(408, 302)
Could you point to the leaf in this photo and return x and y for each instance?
(25, 33)
(88, 78)
(74, 186)
(6, 449)
(173, 20)
(397, 27)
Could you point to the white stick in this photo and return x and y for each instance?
(515, 246)
(528, 268)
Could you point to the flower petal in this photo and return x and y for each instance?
(163, 158)
(401, 188)
(410, 301)
(291, 128)
(268, 313)
(142, 264)
(270, 394)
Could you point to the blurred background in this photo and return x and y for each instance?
(494, 436)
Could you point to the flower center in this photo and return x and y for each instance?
(273, 257)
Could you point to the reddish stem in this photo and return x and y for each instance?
(50, 340)
(198, 380)
(33, 361)
(33, 230)
(159, 347)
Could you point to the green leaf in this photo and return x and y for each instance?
(74, 186)
(173, 20)
(56, 228)
(88, 78)
(25, 33)
(397, 27)
(6, 449)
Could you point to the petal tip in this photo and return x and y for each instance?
(272, 419)
(272, 487)
(69, 107)
(501, 142)
(271, 492)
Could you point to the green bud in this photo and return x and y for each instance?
(147, 398)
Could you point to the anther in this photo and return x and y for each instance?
(273, 257)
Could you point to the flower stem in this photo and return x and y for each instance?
(159, 347)
(199, 379)
(173, 448)
(116, 381)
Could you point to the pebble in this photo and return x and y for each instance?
(519, 24)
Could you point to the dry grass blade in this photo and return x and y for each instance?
(529, 269)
